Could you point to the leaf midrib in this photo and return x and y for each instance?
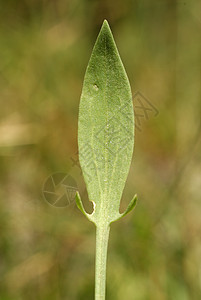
(104, 193)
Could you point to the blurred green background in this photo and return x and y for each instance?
(48, 252)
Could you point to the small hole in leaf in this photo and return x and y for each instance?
(95, 87)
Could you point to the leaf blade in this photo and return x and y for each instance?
(106, 127)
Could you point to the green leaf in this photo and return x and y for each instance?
(105, 130)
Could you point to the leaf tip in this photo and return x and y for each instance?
(106, 25)
(105, 22)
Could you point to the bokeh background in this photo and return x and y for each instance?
(47, 252)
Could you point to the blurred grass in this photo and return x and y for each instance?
(48, 253)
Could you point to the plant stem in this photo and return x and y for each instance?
(102, 236)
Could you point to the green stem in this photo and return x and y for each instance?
(102, 236)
